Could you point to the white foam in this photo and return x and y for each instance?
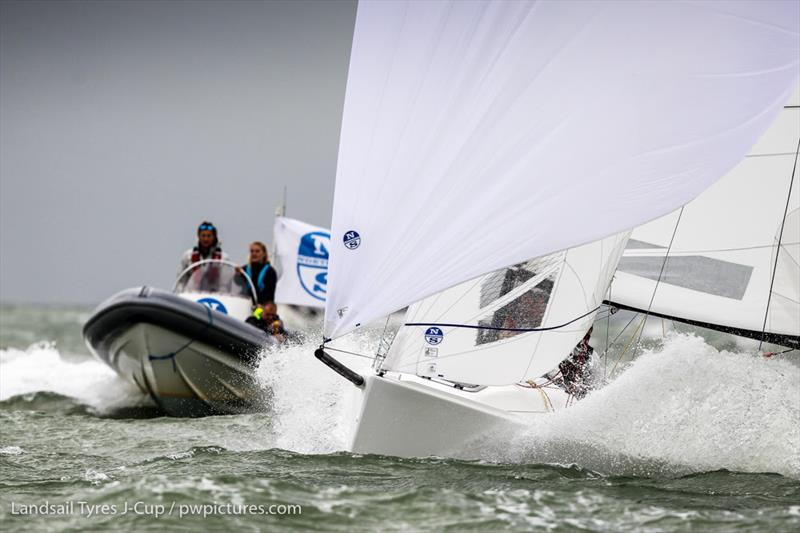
(684, 407)
(40, 368)
(11, 450)
(312, 407)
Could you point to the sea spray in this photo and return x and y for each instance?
(41, 368)
(681, 408)
(313, 408)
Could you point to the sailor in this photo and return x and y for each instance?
(208, 247)
(261, 273)
(574, 368)
(266, 318)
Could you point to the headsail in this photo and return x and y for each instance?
(477, 135)
(558, 295)
(719, 270)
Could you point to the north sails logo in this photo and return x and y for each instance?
(352, 240)
(434, 336)
(312, 263)
(214, 305)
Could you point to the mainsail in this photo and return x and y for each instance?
(477, 135)
(734, 261)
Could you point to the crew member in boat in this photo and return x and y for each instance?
(208, 246)
(266, 318)
(575, 367)
(261, 273)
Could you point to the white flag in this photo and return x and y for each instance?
(301, 255)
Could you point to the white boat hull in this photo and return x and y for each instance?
(406, 416)
(198, 380)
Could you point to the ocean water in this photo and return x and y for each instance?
(693, 433)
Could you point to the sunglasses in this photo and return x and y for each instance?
(206, 227)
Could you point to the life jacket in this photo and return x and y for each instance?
(260, 285)
(216, 253)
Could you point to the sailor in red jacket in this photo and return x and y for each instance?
(208, 247)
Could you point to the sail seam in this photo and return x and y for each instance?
(657, 252)
(768, 155)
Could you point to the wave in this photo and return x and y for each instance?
(41, 369)
(682, 407)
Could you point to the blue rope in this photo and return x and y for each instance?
(469, 326)
(172, 355)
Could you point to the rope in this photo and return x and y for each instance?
(531, 383)
(492, 328)
(345, 351)
(385, 327)
(778, 250)
(630, 342)
(770, 354)
(173, 355)
(608, 330)
(545, 398)
(660, 273)
(623, 329)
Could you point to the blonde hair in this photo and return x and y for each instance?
(263, 248)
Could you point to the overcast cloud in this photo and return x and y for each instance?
(124, 124)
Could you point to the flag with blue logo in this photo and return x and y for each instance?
(301, 258)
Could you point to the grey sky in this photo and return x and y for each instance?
(124, 124)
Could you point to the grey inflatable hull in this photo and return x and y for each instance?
(191, 360)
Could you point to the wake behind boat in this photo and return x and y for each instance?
(190, 350)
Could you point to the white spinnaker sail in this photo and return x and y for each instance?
(547, 292)
(477, 135)
(721, 262)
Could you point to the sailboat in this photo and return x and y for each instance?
(730, 259)
(494, 159)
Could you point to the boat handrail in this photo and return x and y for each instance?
(241, 271)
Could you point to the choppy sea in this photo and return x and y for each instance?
(695, 433)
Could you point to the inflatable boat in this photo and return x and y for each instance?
(190, 349)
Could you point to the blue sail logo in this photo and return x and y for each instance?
(352, 240)
(312, 263)
(434, 336)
